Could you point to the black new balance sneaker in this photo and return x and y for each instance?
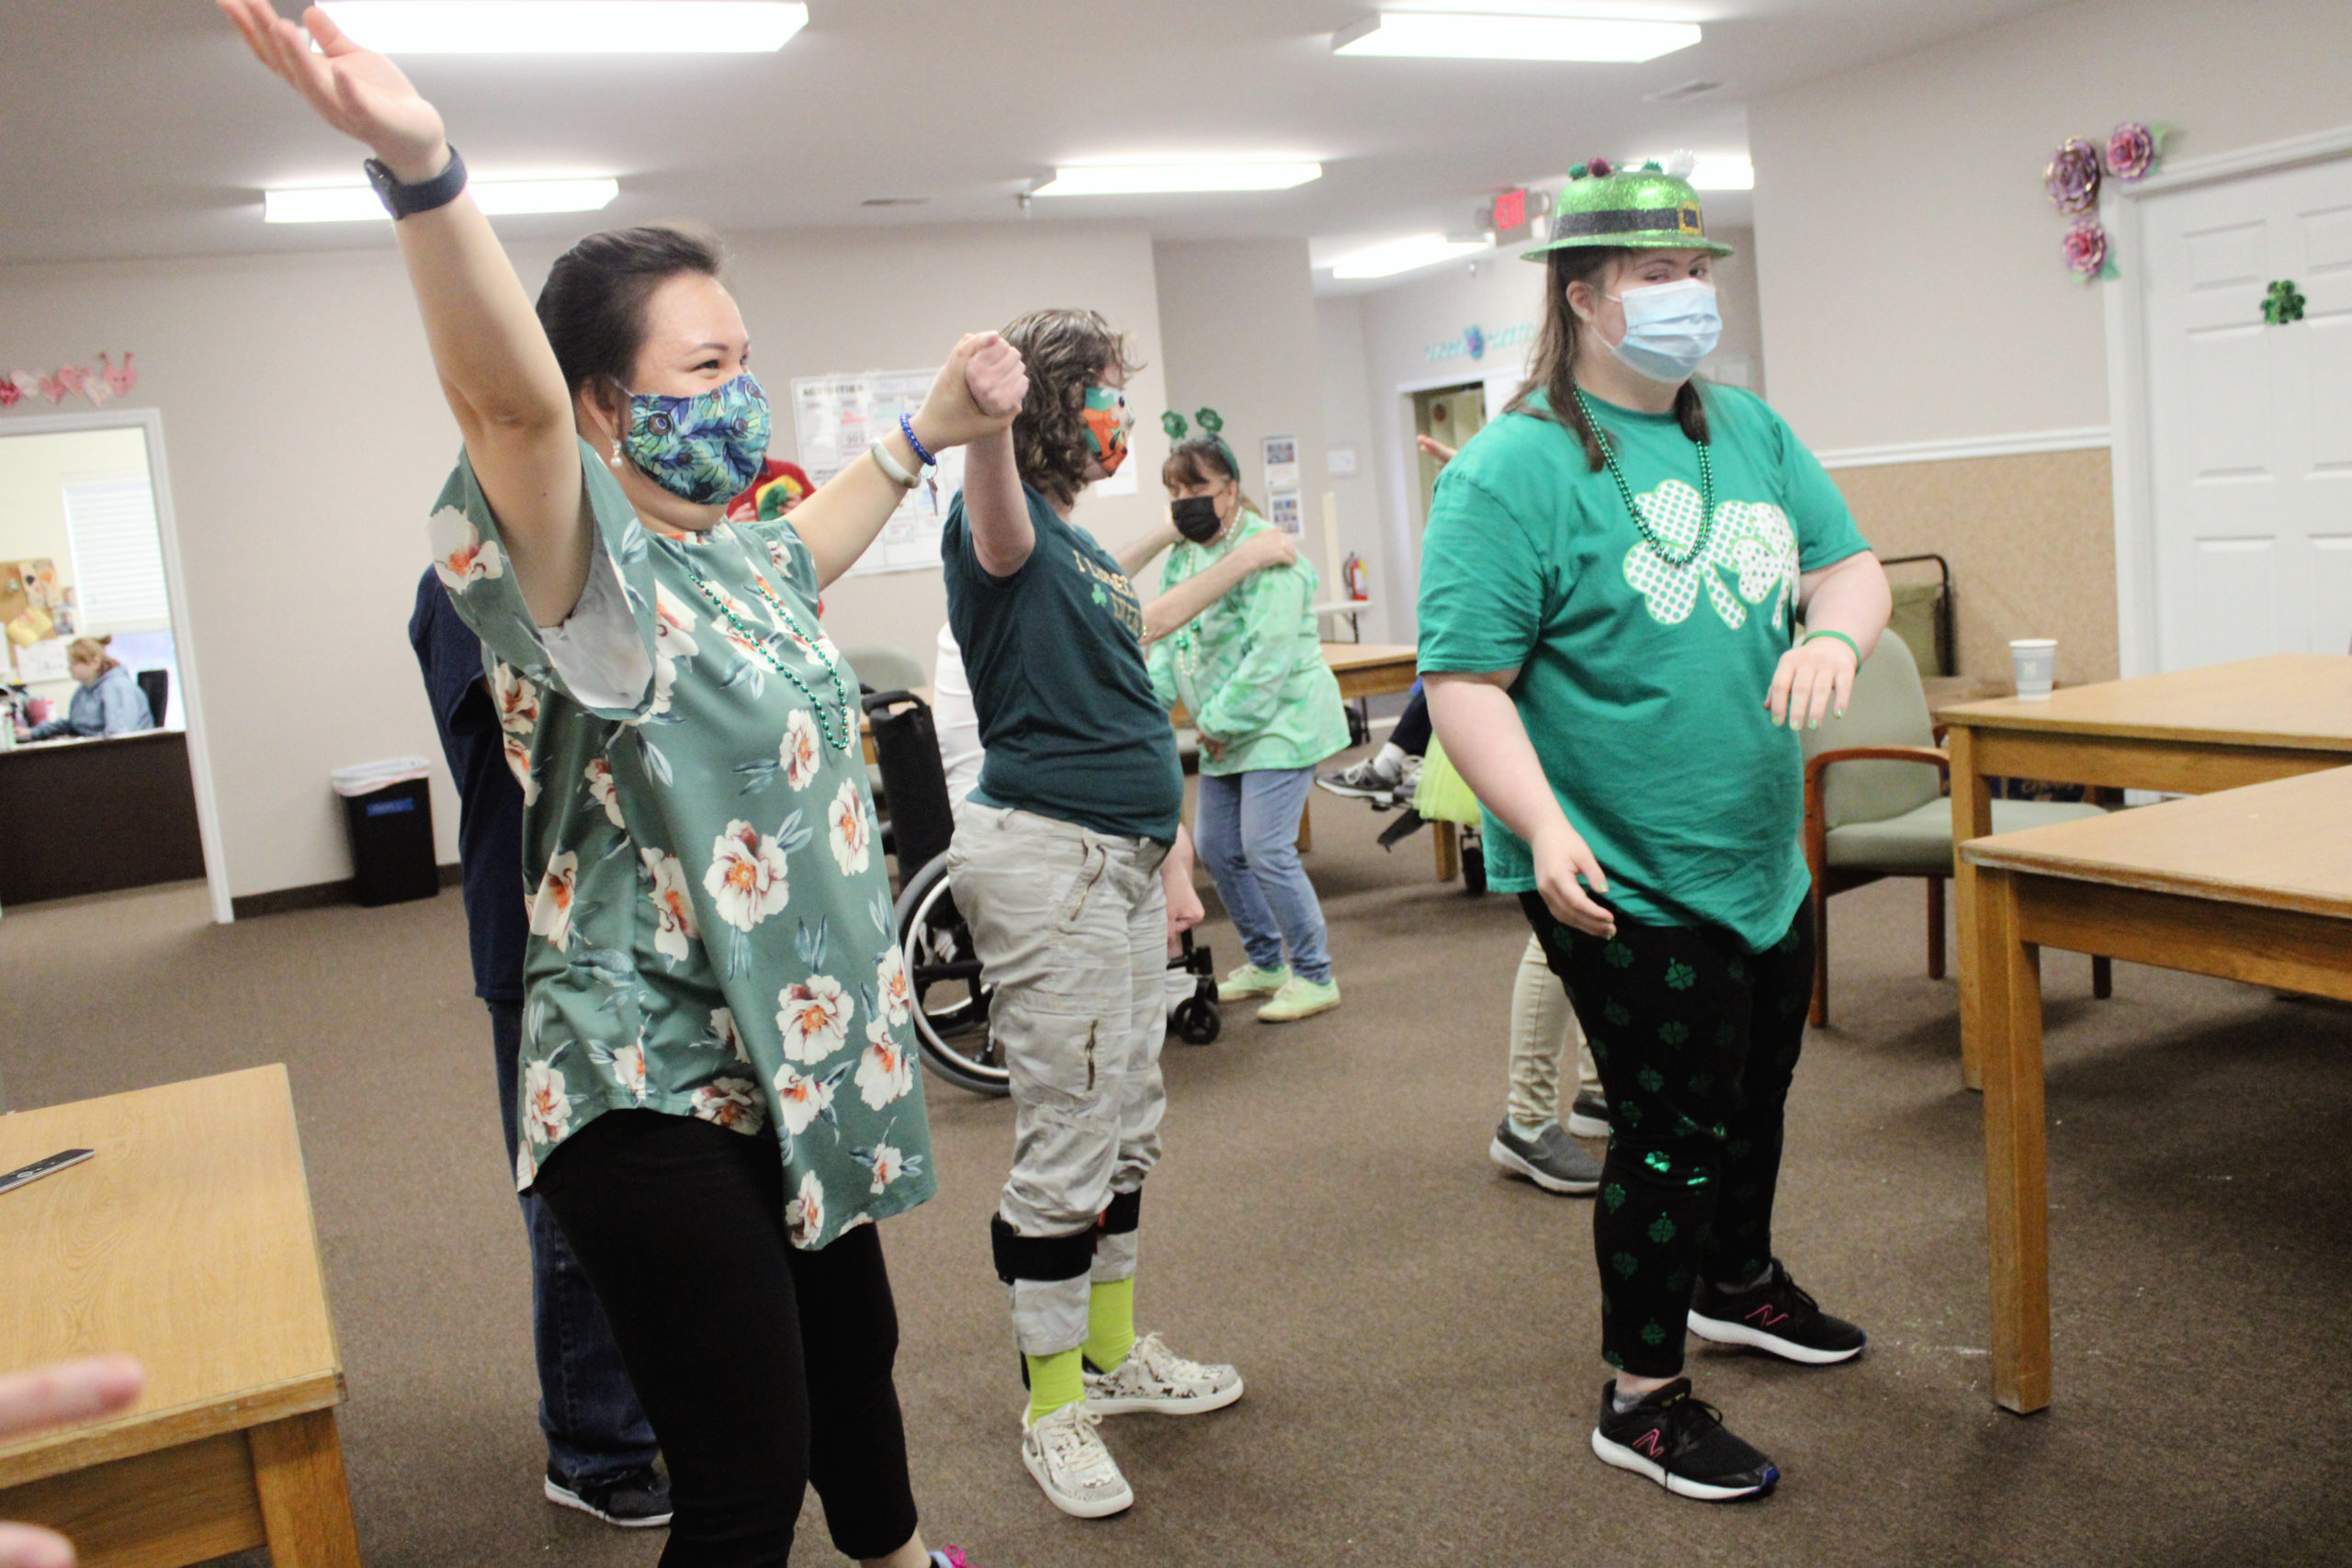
(1680, 1443)
(638, 1500)
(1774, 1315)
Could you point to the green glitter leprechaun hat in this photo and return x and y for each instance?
(1652, 207)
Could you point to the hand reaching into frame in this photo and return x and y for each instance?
(359, 93)
(1272, 547)
(1432, 447)
(52, 1397)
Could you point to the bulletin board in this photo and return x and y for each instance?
(835, 418)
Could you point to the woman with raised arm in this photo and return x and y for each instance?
(718, 1091)
(1611, 582)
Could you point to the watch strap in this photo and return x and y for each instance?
(407, 200)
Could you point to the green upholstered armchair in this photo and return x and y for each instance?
(1875, 806)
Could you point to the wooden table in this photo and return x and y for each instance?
(187, 1242)
(2251, 884)
(1372, 668)
(2188, 732)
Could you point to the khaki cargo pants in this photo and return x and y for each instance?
(1071, 927)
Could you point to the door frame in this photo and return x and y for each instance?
(2129, 418)
(159, 480)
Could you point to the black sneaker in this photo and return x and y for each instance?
(1776, 1316)
(1680, 1443)
(637, 1500)
(1588, 1117)
(1551, 1159)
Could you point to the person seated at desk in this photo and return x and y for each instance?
(109, 702)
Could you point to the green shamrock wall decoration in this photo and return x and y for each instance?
(2284, 303)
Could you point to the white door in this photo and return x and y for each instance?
(2250, 424)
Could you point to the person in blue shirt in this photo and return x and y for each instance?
(600, 1448)
(109, 702)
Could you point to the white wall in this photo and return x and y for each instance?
(1413, 334)
(1238, 318)
(307, 441)
(1912, 279)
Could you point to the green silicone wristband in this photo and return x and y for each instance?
(1841, 636)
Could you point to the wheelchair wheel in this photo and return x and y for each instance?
(1197, 1023)
(950, 997)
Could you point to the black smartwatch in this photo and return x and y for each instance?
(405, 200)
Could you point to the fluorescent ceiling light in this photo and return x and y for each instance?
(1133, 179)
(567, 27)
(1720, 172)
(1444, 35)
(354, 204)
(1404, 255)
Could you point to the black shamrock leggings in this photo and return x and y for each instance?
(1696, 1040)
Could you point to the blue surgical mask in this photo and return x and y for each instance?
(1669, 327)
(706, 448)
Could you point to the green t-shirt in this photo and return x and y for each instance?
(1055, 655)
(1641, 684)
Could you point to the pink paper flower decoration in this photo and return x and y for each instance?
(2131, 152)
(2087, 247)
(2072, 178)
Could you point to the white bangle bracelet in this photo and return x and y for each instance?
(890, 465)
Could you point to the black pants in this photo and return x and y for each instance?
(1411, 735)
(1696, 1042)
(762, 1368)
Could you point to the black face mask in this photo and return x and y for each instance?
(1196, 517)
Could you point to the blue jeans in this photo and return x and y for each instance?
(595, 1429)
(1247, 836)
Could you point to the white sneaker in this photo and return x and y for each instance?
(1068, 1459)
(1156, 1380)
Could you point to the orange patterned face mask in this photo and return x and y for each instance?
(1107, 423)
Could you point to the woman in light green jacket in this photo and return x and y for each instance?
(1251, 673)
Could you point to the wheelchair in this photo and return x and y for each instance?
(951, 996)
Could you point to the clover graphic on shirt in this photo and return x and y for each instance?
(1751, 541)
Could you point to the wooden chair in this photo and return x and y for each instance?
(1875, 806)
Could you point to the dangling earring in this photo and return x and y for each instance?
(614, 462)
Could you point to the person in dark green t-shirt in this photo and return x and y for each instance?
(1612, 575)
(1055, 865)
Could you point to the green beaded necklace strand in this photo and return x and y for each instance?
(1706, 492)
(826, 715)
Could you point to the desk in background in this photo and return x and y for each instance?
(2187, 732)
(96, 815)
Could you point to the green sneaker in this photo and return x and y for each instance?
(1252, 981)
(1300, 999)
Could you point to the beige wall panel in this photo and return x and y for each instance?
(2030, 540)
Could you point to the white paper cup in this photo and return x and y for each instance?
(2034, 663)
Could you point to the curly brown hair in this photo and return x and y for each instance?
(1066, 352)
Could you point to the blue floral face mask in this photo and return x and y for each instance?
(706, 448)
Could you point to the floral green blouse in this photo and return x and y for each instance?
(711, 931)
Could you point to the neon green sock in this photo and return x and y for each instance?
(1111, 1322)
(1055, 1380)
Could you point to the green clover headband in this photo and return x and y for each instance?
(1211, 423)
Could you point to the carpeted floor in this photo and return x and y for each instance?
(1418, 1334)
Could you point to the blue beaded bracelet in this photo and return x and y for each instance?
(907, 429)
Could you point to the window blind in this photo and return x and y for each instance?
(117, 556)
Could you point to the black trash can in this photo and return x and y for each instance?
(391, 842)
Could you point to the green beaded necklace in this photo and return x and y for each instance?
(1706, 492)
(826, 714)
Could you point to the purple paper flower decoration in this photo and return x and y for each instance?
(2087, 247)
(2072, 178)
(2132, 151)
